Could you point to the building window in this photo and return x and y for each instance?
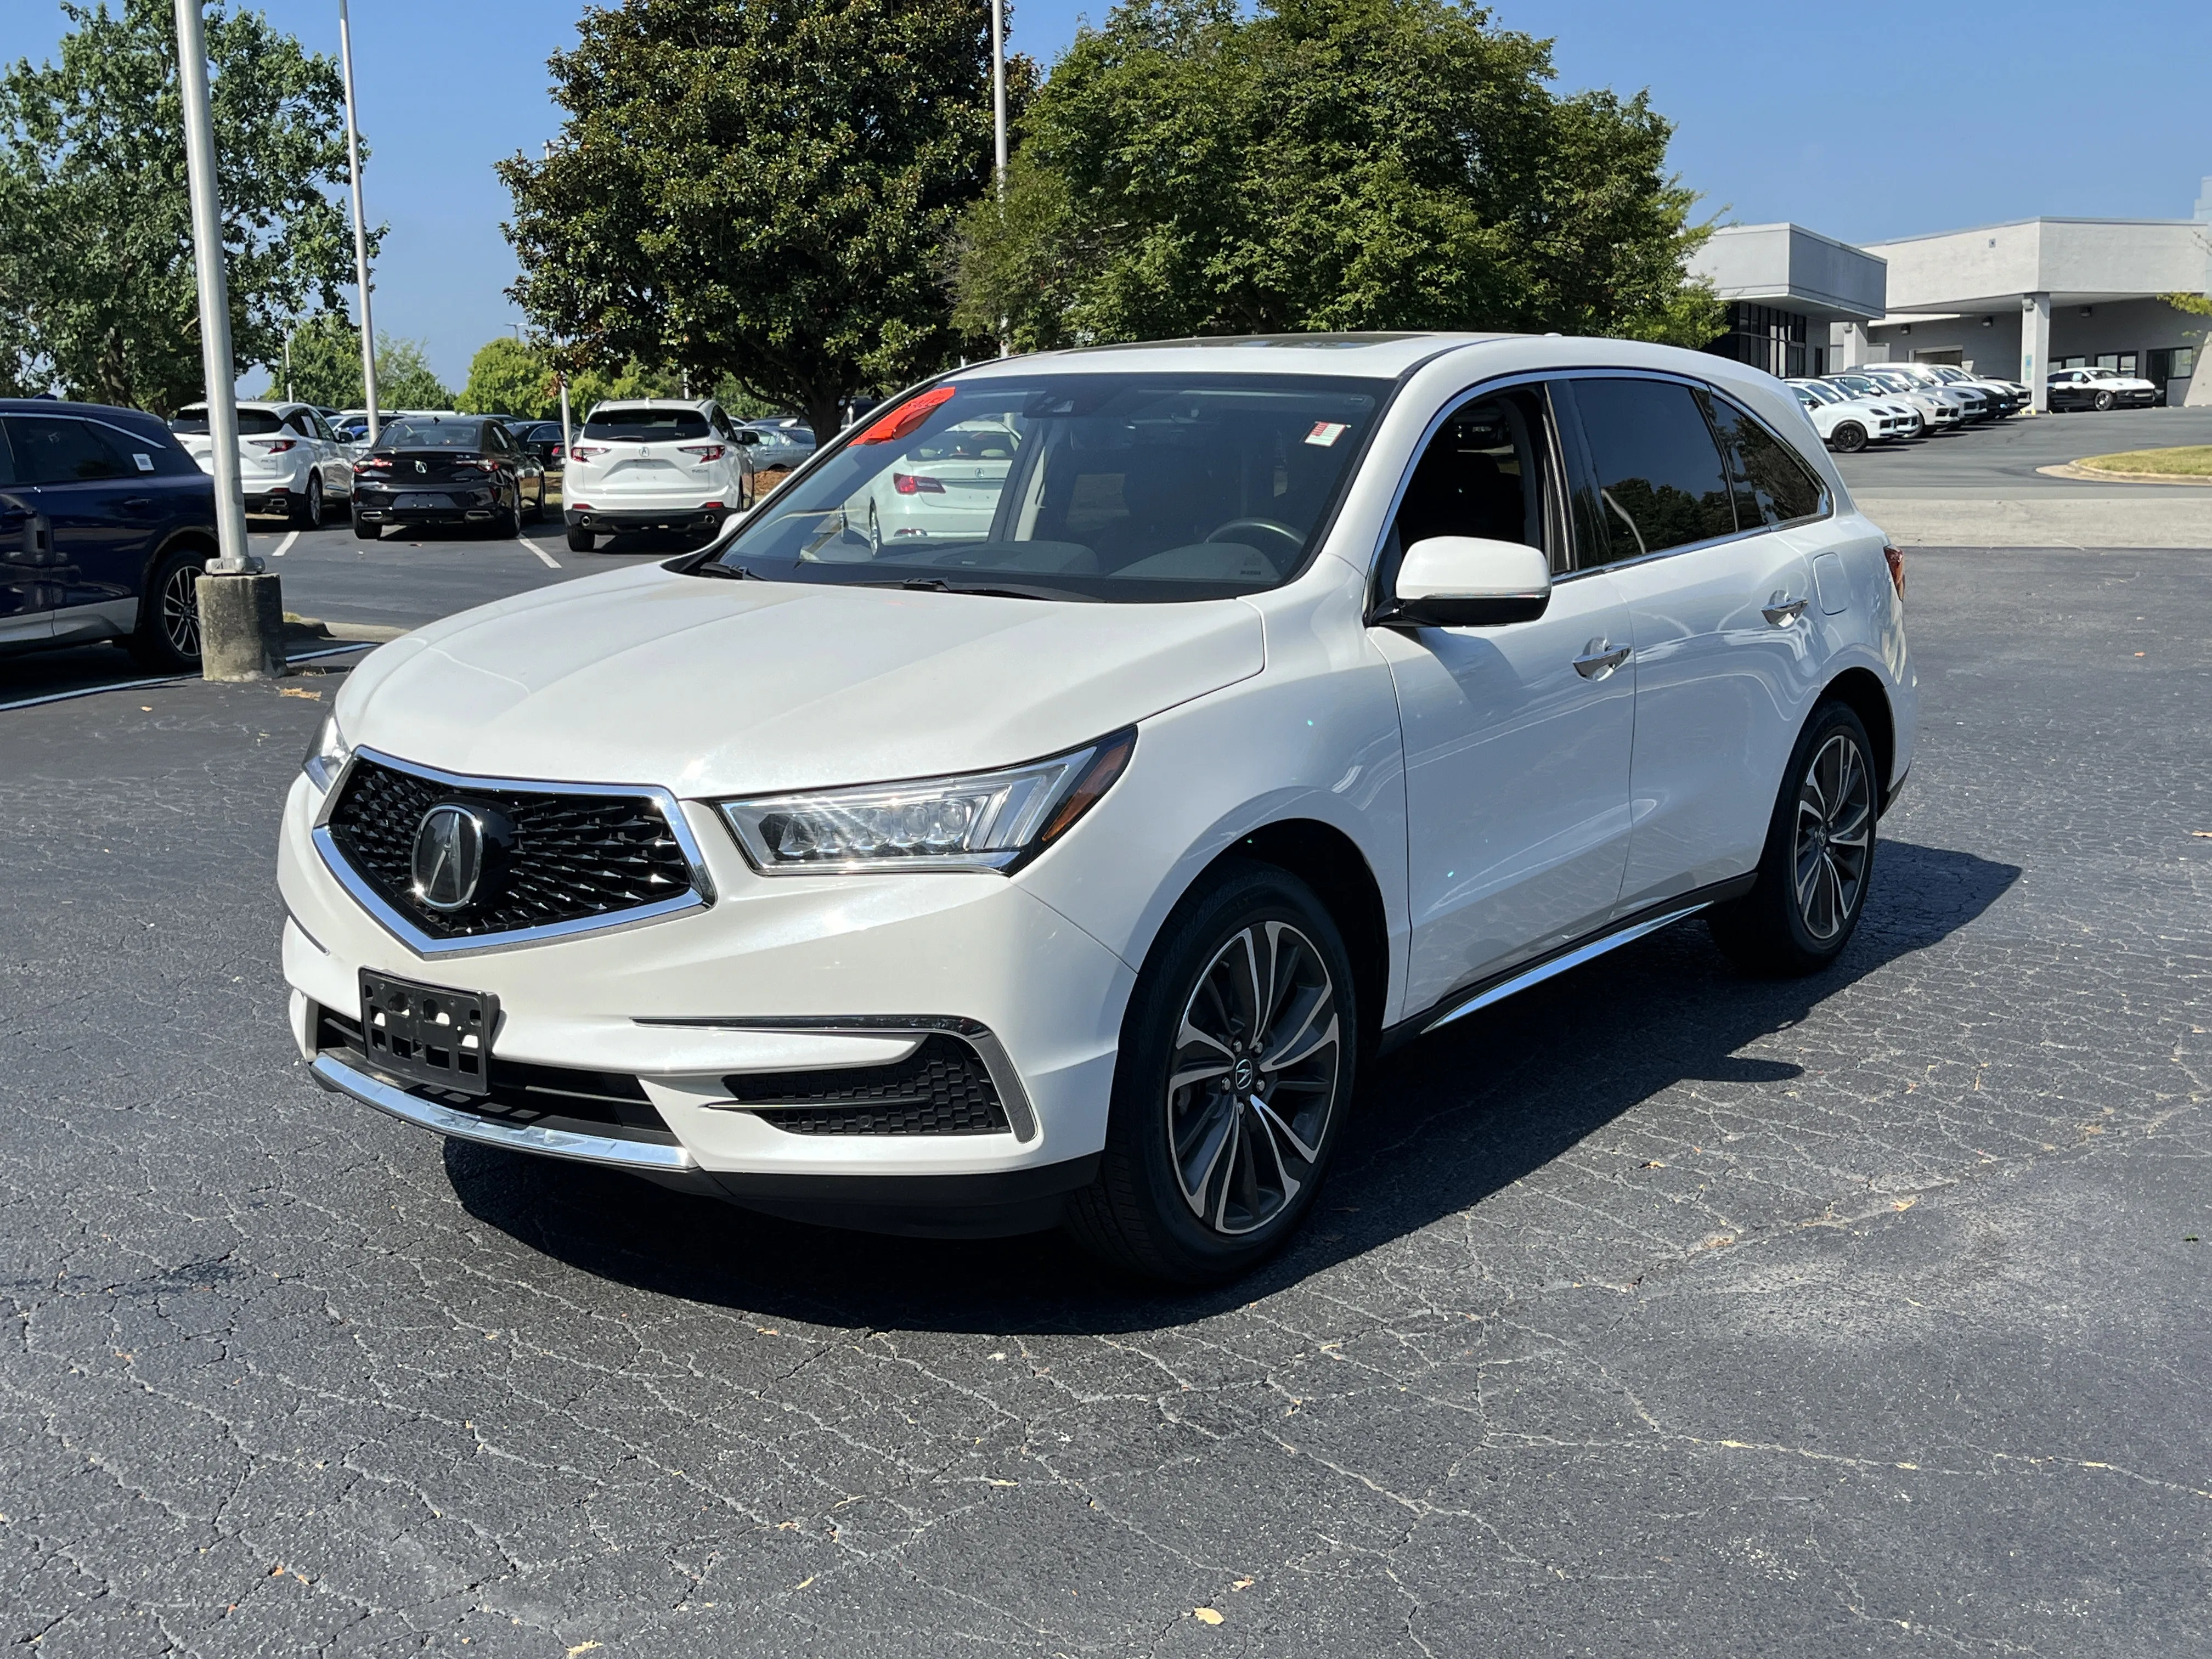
(1765, 338)
(2172, 363)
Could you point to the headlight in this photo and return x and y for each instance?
(327, 756)
(979, 821)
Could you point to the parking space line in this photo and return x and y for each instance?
(285, 546)
(552, 562)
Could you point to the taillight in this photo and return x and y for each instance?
(585, 451)
(911, 483)
(372, 464)
(704, 451)
(1896, 560)
(277, 446)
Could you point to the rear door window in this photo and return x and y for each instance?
(1660, 479)
(53, 450)
(1772, 485)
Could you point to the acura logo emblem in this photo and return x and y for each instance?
(422, 467)
(449, 856)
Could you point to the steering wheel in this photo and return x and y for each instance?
(1292, 540)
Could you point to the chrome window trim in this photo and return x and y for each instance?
(402, 927)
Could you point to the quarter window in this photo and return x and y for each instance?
(1772, 485)
(1660, 479)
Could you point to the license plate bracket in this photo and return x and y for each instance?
(417, 502)
(428, 1034)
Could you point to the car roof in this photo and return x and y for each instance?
(1362, 356)
(695, 404)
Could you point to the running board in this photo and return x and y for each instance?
(1559, 964)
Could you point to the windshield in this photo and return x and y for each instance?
(645, 425)
(250, 422)
(1891, 382)
(1824, 394)
(1858, 384)
(1127, 487)
(432, 434)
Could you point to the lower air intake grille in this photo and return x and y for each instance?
(942, 1087)
(574, 855)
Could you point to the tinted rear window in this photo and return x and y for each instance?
(250, 422)
(646, 425)
(432, 434)
(1660, 481)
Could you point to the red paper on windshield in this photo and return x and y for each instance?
(908, 416)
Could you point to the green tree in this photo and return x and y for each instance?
(1328, 164)
(326, 369)
(508, 377)
(97, 294)
(758, 191)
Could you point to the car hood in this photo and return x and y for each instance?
(711, 688)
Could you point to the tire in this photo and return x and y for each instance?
(307, 512)
(535, 510)
(167, 637)
(1848, 438)
(364, 531)
(582, 540)
(507, 523)
(1818, 866)
(1201, 1182)
(2104, 401)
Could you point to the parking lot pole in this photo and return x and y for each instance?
(360, 226)
(241, 612)
(999, 125)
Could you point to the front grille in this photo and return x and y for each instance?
(557, 1096)
(942, 1087)
(574, 855)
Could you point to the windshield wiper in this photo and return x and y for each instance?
(731, 573)
(938, 584)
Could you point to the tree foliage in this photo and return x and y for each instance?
(509, 377)
(326, 369)
(758, 191)
(1327, 165)
(97, 294)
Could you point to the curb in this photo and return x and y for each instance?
(2075, 471)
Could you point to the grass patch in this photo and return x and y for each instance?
(2191, 461)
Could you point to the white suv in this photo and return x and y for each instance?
(1297, 697)
(289, 461)
(654, 463)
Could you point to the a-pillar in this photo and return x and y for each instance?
(2035, 349)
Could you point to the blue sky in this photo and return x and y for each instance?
(1879, 120)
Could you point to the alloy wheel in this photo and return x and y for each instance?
(1254, 1078)
(1835, 836)
(180, 610)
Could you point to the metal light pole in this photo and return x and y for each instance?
(998, 126)
(241, 613)
(288, 397)
(360, 226)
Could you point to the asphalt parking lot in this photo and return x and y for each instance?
(2001, 458)
(1658, 1312)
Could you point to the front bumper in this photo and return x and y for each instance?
(777, 975)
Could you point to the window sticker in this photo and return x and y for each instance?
(1325, 433)
(145, 462)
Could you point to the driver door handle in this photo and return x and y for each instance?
(1599, 658)
(1781, 610)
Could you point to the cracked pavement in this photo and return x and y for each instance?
(1659, 1311)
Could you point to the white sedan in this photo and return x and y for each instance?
(1280, 703)
(290, 462)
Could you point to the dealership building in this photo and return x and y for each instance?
(2020, 300)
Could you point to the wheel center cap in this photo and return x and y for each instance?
(1242, 1075)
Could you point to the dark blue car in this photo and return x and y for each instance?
(105, 525)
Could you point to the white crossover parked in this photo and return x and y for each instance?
(289, 461)
(1295, 697)
(1849, 423)
(654, 463)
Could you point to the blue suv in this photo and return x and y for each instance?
(105, 525)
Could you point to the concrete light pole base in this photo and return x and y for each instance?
(241, 627)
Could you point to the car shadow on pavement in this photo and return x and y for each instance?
(1438, 1126)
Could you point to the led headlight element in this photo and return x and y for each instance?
(327, 756)
(978, 821)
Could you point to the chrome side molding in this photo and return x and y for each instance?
(1559, 964)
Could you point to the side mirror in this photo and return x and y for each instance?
(1468, 581)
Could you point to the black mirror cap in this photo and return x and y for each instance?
(1440, 612)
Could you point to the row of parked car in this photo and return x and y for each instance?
(1887, 403)
(660, 464)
